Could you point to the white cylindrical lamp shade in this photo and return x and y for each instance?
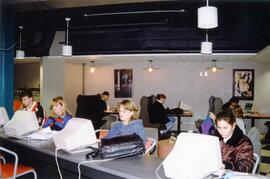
(207, 17)
(206, 47)
(67, 50)
(19, 54)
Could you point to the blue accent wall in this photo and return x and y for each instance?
(7, 59)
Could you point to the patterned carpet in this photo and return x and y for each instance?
(265, 160)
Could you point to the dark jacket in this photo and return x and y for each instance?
(237, 152)
(158, 113)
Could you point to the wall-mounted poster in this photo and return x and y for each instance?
(243, 84)
(123, 83)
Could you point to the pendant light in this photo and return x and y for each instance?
(150, 67)
(67, 49)
(20, 53)
(92, 67)
(206, 46)
(214, 68)
(207, 17)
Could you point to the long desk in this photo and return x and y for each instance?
(185, 114)
(43, 152)
(254, 117)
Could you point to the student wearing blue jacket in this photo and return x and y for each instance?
(59, 114)
(129, 122)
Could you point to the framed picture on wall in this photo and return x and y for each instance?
(123, 83)
(243, 84)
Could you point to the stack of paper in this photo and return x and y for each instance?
(42, 134)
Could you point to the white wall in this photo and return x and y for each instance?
(180, 80)
(73, 85)
(52, 80)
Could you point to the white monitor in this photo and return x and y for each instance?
(22, 123)
(3, 116)
(194, 156)
(78, 133)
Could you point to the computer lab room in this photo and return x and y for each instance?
(138, 89)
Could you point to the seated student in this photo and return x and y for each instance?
(30, 105)
(158, 114)
(59, 114)
(129, 123)
(233, 101)
(236, 148)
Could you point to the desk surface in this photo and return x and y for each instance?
(256, 116)
(184, 114)
(133, 167)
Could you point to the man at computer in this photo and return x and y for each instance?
(30, 105)
(158, 114)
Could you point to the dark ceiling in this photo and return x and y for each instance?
(161, 27)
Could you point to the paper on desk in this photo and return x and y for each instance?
(42, 134)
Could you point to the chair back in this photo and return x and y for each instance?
(150, 145)
(256, 164)
(254, 136)
(91, 107)
(13, 170)
(151, 133)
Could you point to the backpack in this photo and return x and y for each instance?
(207, 126)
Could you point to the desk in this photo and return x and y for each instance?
(41, 155)
(256, 116)
(185, 114)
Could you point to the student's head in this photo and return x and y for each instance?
(161, 97)
(58, 106)
(105, 95)
(127, 111)
(26, 98)
(234, 100)
(225, 122)
(237, 111)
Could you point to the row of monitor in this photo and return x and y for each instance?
(194, 156)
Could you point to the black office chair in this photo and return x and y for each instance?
(91, 107)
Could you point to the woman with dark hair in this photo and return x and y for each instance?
(236, 148)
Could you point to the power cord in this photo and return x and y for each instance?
(89, 161)
(9, 48)
(158, 170)
(57, 164)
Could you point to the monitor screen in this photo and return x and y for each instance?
(194, 156)
(78, 133)
(22, 123)
(3, 116)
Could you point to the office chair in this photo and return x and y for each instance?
(13, 170)
(256, 164)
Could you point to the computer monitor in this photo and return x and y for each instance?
(3, 116)
(194, 156)
(22, 123)
(78, 133)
